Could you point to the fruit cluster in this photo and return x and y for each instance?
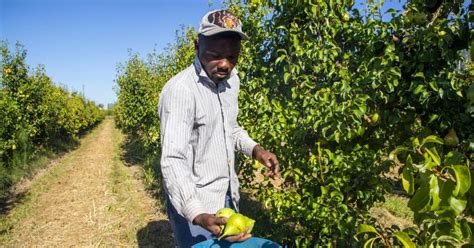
(236, 223)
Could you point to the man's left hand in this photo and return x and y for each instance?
(268, 159)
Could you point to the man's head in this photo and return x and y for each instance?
(218, 44)
(218, 55)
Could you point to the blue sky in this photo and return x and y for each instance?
(80, 42)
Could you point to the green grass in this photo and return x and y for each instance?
(135, 153)
(121, 185)
(25, 164)
(128, 153)
(23, 208)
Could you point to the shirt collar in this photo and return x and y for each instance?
(200, 71)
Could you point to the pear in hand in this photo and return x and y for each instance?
(226, 213)
(236, 224)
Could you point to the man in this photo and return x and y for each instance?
(199, 133)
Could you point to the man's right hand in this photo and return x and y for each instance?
(212, 223)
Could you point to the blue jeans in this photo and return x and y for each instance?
(185, 233)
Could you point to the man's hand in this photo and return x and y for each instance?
(240, 237)
(212, 223)
(268, 159)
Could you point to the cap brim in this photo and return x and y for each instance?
(215, 31)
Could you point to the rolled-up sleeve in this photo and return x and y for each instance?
(176, 112)
(243, 142)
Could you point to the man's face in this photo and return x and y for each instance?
(218, 56)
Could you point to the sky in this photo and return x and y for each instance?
(81, 42)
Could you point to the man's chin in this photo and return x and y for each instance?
(218, 79)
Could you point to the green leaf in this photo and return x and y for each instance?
(434, 191)
(453, 158)
(457, 205)
(370, 243)
(432, 139)
(428, 165)
(409, 161)
(433, 117)
(419, 74)
(404, 239)
(279, 59)
(465, 229)
(337, 196)
(434, 86)
(420, 200)
(463, 179)
(446, 189)
(364, 228)
(324, 190)
(446, 241)
(434, 155)
(408, 180)
(357, 112)
(286, 76)
(418, 89)
(397, 150)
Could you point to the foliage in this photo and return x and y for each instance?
(333, 90)
(138, 86)
(333, 95)
(36, 114)
(439, 183)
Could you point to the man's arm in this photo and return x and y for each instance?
(249, 147)
(176, 111)
(268, 159)
(242, 141)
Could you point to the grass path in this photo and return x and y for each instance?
(88, 199)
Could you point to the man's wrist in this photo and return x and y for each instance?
(198, 219)
(256, 150)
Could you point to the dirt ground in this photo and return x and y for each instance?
(96, 201)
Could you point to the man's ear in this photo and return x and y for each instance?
(196, 46)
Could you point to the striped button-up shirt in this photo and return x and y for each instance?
(199, 134)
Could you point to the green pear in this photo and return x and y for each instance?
(256, 164)
(235, 225)
(451, 139)
(249, 224)
(226, 213)
(346, 17)
(375, 118)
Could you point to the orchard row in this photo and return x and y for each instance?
(37, 115)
